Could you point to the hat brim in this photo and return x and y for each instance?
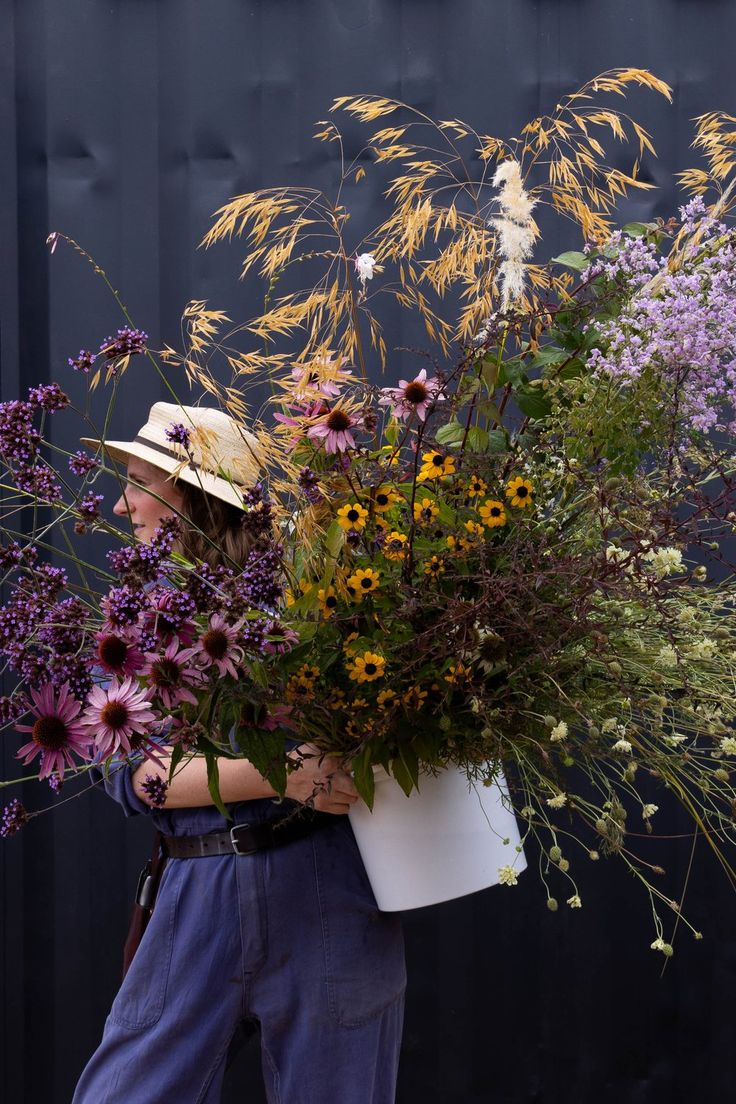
(212, 484)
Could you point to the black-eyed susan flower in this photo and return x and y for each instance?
(348, 643)
(381, 523)
(459, 544)
(436, 465)
(434, 567)
(458, 674)
(475, 487)
(335, 699)
(352, 516)
(493, 512)
(414, 697)
(308, 671)
(359, 703)
(394, 546)
(384, 498)
(367, 667)
(520, 491)
(300, 689)
(475, 530)
(385, 699)
(327, 600)
(425, 511)
(363, 581)
(289, 598)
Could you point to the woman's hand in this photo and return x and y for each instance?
(320, 781)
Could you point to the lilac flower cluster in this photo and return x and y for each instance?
(142, 563)
(19, 440)
(39, 480)
(127, 342)
(252, 636)
(13, 818)
(48, 396)
(169, 614)
(259, 586)
(12, 708)
(308, 483)
(10, 555)
(258, 516)
(178, 434)
(122, 606)
(155, 789)
(205, 587)
(61, 637)
(631, 261)
(683, 329)
(89, 507)
(81, 463)
(83, 361)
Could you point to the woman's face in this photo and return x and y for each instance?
(146, 513)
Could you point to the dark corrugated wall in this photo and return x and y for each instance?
(125, 123)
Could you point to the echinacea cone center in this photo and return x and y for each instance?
(114, 714)
(338, 421)
(416, 392)
(215, 643)
(50, 733)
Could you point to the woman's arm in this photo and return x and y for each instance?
(319, 781)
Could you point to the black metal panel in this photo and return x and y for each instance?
(125, 123)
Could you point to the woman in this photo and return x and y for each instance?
(288, 934)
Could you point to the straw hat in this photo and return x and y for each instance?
(223, 458)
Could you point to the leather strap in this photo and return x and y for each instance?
(246, 839)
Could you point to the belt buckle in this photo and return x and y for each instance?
(234, 840)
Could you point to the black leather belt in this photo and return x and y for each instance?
(246, 839)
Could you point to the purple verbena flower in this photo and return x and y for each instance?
(49, 396)
(83, 361)
(19, 440)
(155, 789)
(122, 606)
(178, 434)
(309, 484)
(81, 463)
(13, 819)
(127, 342)
(89, 507)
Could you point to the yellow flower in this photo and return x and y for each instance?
(381, 523)
(493, 512)
(434, 567)
(335, 699)
(393, 547)
(435, 465)
(476, 531)
(425, 511)
(359, 703)
(459, 544)
(327, 601)
(299, 689)
(307, 671)
(348, 641)
(289, 597)
(414, 697)
(352, 516)
(458, 674)
(520, 491)
(367, 667)
(384, 498)
(475, 486)
(363, 582)
(385, 698)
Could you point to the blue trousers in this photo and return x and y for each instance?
(290, 936)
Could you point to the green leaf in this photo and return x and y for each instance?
(576, 261)
(549, 354)
(638, 229)
(534, 404)
(572, 369)
(402, 775)
(497, 440)
(450, 434)
(213, 784)
(334, 540)
(363, 777)
(477, 439)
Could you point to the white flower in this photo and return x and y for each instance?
(665, 561)
(507, 875)
(705, 648)
(660, 945)
(574, 901)
(728, 745)
(687, 615)
(609, 725)
(622, 745)
(666, 656)
(559, 732)
(675, 739)
(364, 266)
(515, 227)
(558, 801)
(648, 811)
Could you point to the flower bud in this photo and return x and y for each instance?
(555, 853)
(552, 904)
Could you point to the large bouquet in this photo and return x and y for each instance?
(512, 555)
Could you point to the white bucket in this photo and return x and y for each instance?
(445, 840)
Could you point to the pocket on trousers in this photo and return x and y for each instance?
(364, 961)
(141, 998)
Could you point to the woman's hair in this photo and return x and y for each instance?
(219, 521)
